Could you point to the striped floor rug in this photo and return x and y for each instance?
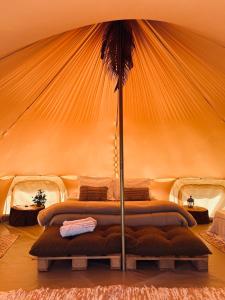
(214, 240)
(117, 292)
(6, 242)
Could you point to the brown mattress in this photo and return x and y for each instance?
(142, 240)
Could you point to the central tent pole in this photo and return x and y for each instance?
(122, 175)
(116, 53)
(120, 81)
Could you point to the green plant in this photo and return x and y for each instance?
(40, 198)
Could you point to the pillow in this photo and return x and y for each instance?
(130, 183)
(90, 193)
(160, 189)
(72, 186)
(136, 194)
(98, 182)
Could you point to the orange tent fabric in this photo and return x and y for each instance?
(4, 187)
(27, 21)
(59, 111)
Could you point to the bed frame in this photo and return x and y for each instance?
(168, 262)
(164, 262)
(79, 262)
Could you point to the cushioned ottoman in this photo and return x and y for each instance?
(164, 241)
(105, 242)
(166, 245)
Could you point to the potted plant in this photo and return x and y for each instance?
(40, 198)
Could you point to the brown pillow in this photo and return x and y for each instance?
(136, 194)
(91, 193)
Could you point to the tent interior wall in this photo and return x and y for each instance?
(59, 111)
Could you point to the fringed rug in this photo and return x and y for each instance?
(214, 240)
(6, 242)
(117, 292)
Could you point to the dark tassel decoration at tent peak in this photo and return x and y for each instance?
(117, 48)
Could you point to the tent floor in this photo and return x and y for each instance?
(19, 270)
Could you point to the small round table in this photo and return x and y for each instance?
(200, 214)
(22, 215)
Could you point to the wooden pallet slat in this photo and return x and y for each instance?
(200, 265)
(115, 263)
(168, 262)
(164, 262)
(131, 263)
(43, 264)
(79, 262)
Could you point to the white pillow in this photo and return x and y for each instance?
(131, 183)
(160, 188)
(96, 182)
(71, 183)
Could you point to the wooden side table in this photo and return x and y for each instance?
(21, 215)
(200, 214)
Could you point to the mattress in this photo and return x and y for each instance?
(141, 240)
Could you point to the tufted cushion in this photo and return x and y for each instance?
(166, 240)
(102, 241)
(144, 240)
(50, 243)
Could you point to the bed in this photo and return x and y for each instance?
(155, 230)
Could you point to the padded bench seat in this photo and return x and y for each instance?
(164, 241)
(105, 240)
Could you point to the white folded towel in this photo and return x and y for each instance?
(88, 220)
(72, 228)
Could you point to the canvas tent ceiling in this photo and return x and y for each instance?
(58, 108)
(25, 21)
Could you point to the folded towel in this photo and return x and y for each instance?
(72, 228)
(88, 220)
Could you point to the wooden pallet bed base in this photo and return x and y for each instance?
(168, 262)
(79, 262)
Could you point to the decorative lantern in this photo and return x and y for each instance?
(190, 202)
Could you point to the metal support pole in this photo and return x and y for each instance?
(122, 175)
